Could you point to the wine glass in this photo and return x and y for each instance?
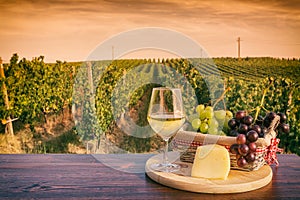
(166, 116)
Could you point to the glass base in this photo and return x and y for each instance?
(170, 167)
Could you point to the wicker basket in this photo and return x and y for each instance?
(187, 142)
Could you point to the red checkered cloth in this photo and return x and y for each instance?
(271, 156)
(186, 143)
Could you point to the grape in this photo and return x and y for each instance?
(240, 115)
(243, 128)
(267, 122)
(234, 148)
(209, 114)
(237, 156)
(206, 114)
(209, 108)
(243, 149)
(213, 123)
(270, 116)
(232, 123)
(283, 117)
(207, 120)
(247, 133)
(250, 157)
(252, 136)
(202, 115)
(256, 128)
(233, 133)
(252, 146)
(261, 135)
(284, 128)
(226, 123)
(259, 120)
(204, 127)
(264, 131)
(247, 120)
(241, 162)
(196, 124)
(192, 117)
(221, 133)
(229, 114)
(200, 108)
(213, 130)
(220, 114)
(241, 139)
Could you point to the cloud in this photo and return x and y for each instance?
(216, 11)
(43, 24)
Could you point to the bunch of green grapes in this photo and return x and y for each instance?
(208, 120)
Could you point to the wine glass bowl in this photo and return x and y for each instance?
(166, 116)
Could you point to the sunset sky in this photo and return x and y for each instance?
(70, 30)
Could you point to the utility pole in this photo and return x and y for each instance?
(239, 47)
(8, 121)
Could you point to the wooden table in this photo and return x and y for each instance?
(112, 176)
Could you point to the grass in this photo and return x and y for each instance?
(34, 140)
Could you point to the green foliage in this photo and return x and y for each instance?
(124, 83)
(36, 88)
(83, 99)
(282, 95)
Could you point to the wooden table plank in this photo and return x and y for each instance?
(86, 176)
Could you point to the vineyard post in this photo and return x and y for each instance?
(91, 97)
(90, 77)
(9, 125)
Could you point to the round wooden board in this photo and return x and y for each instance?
(236, 182)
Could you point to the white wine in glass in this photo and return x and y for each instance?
(166, 116)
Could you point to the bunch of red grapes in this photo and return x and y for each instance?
(247, 133)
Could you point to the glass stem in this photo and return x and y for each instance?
(165, 158)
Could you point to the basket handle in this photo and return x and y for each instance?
(271, 133)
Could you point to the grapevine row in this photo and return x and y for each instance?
(37, 88)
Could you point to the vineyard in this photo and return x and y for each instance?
(105, 95)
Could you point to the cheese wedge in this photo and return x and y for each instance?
(211, 162)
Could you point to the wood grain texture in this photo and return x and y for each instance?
(237, 181)
(67, 176)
